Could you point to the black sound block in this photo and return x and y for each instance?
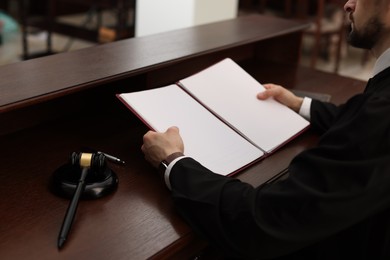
(99, 183)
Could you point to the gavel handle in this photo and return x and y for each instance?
(72, 208)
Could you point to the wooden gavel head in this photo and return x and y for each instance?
(95, 161)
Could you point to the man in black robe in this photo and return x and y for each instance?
(335, 203)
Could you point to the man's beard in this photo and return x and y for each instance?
(367, 37)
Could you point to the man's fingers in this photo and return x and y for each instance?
(270, 92)
(263, 95)
(173, 129)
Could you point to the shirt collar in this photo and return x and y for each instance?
(382, 62)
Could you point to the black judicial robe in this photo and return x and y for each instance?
(335, 203)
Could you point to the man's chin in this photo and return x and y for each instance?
(357, 41)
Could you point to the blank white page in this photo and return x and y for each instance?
(206, 138)
(229, 91)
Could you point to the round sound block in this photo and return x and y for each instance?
(98, 184)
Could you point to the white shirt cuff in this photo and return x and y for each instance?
(168, 171)
(304, 111)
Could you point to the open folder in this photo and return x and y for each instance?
(223, 124)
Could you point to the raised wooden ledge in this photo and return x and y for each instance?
(43, 79)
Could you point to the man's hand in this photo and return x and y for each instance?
(158, 146)
(281, 95)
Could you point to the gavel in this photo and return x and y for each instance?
(87, 162)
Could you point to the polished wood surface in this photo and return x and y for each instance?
(63, 103)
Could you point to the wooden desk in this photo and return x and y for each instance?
(52, 106)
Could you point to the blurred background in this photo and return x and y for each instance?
(31, 29)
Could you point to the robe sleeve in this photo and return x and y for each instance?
(322, 115)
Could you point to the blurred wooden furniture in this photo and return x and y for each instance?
(327, 25)
(58, 104)
(44, 16)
